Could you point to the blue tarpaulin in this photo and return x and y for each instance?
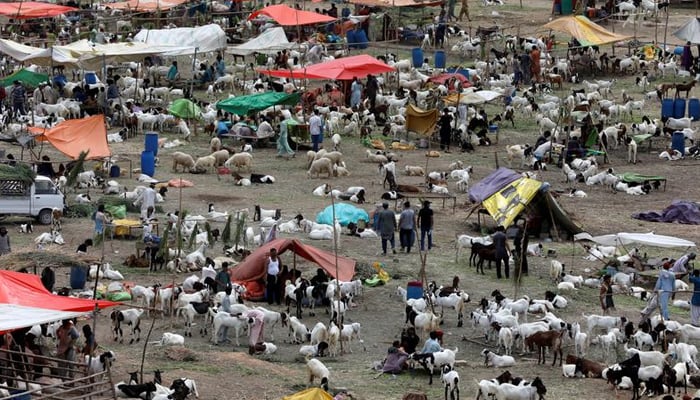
(345, 213)
(491, 184)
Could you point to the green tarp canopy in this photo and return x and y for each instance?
(631, 177)
(245, 105)
(30, 79)
(184, 108)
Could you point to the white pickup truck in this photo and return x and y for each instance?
(36, 200)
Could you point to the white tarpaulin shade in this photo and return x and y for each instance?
(690, 32)
(646, 239)
(270, 41)
(13, 316)
(202, 39)
(38, 55)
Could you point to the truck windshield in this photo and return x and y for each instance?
(44, 187)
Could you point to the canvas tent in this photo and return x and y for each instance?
(269, 42)
(690, 31)
(587, 32)
(288, 16)
(73, 136)
(252, 268)
(244, 105)
(28, 78)
(25, 302)
(345, 68)
(38, 55)
(505, 194)
(202, 39)
(644, 239)
(33, 9)
(421, 121)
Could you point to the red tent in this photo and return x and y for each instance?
(344, 68)
(253, 267)
(32, 9)
(288, 16)
(25, 302)
(442, 78)
(72, 136)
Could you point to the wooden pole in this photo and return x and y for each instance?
(145, 344)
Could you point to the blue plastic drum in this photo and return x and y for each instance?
(148, 163)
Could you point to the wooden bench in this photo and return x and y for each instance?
(426, 196)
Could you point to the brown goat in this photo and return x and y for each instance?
(552, 339)
(588, 368)
(136, 262)
(684, 87)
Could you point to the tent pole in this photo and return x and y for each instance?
(665, 30)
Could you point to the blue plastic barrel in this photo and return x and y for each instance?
(679, 108)
(361, 39)
(90, 78)
(417, 57)
(694, 109)
(667, 108)
(440, 59)
(414, 290)
(352, 40)
(151, 143)
(115, 171)
(78, 276)
(148, 163)
(678, 142)
(678, 50)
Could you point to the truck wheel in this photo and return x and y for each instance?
(45, 217)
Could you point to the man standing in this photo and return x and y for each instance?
(147, 199)
(425, 222)
(273, 269)
(371, 89)
(464, 10)
(315, 129)
(445, 130)
(65, 350)
(18, 96)
(695, 300)
(664, 288)
(387, 226)
(407, 225)
(535, 64)
(223, 279)
(501, 243)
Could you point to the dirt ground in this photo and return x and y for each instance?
(228, 372)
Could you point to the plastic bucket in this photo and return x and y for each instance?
(679, 108)
(90, 78)
(414, 290)
(148, 163)
(667, 108)
(114, 171)
(440, 59)
(678, 142)
(417, 57)
(151, 143)
(361, 39)
(694, 109)
(78, 276)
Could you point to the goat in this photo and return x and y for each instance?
(316, 369)
(492, 359)
(630, 369)
(551, 339)
(450, 378)
(131, 317)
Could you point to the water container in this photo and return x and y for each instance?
(667, 108)
(678, 50)
(679, 108)
(694, 109)
(352, 40)
(114, 171)
(148, 163)
(678, 142)
(91, 78)
(151, 143)
(78, 276)
(417, 57)
(440, 59)
(414, 290)
(361, 39)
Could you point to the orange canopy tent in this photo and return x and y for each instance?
(253, 267)
(344, 68)
(288, 16)
(397, 3)
(76, 135)
(25, 302)
(32, 9)
(146, 5)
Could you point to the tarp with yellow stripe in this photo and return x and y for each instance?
(511, 200)
(587, 32)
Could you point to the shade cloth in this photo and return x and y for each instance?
(506, 204)
(681, 211)
(492, 183)
(33, 9)
(201, 39)
(647, 239)
(244, 105)
(28, 78)
(184, 108)
(288, 16)
(587, 32)
(345, 68)
(471, 97)
(268, 42)
(421, 121)
(25, 302)
(38, 55)
(253, 267)
(146, 5)
(75, 135)
(690, 31)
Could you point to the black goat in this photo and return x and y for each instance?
(630, 369)
(136, 390)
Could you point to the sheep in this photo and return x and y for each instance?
(215, 144)
(340, 171)
(183, 159)
(323, 165)
(240, 161)
(221, 157)
(131, 317)
(412, 170)
(376, 158)
(203, 164)
(224, 319)
(336, 157)
(492, 359)
(450, 379)
(316, 369)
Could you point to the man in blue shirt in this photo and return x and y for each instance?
(222, 127)
(664, 287)
(431, 345)
(315, 129)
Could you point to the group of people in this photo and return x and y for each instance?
(396, 359)
(409, 221)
